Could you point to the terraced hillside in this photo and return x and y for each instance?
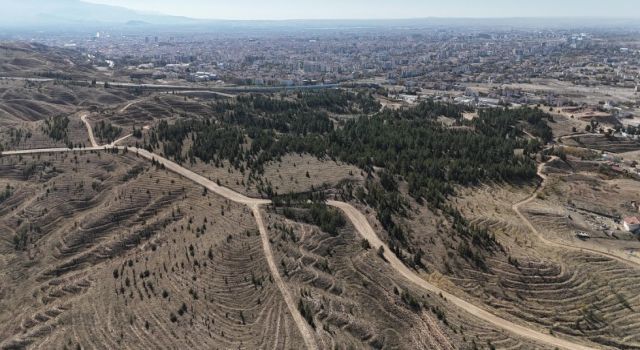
(102, 251)
(146, 109)
(32, 101)
(566, 291)
(25, 108)
(33, 59)
(176, 266)
(608, 144)
(352, 298)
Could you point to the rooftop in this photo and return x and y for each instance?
(632, 220)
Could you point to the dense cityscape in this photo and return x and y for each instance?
(445, 62)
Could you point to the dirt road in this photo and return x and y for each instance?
(365, 229)
(516, 208)
(222, 94)
(116, 142)
(48, 150)
(123, 109)
(254, 204)
(303, 326)
(92, 139)
(362, 226)
(201, 180)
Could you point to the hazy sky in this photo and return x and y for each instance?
(352, 9)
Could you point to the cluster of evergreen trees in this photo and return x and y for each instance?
(106, 131)
(429, 156)
(500, 122)
(210, 142)
(4, 195)
(409, 145)
(57, 127)
(259, 118)
(339, 101)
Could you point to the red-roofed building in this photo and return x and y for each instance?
(631, 224)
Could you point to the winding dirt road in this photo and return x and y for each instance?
(516, 208)
(116, 142)
(364, 229)
(92, 138)
(123, 109)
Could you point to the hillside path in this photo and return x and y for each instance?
(363, 227)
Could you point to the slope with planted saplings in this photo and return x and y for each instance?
(412, 166)
(170, 264)
(179, 266)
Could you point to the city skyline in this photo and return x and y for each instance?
(376, 9)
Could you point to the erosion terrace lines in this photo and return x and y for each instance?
(362, 226)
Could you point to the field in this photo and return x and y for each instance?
(24, 59)
(577, 93)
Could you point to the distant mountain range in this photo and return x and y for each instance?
(68, 13)
(62, 15)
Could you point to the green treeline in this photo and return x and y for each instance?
(57, 127)
(106, 131)
(409, 146)
(410, 143)
(6, 194)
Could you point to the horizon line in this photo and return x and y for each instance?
(405, 18)
(159, 13)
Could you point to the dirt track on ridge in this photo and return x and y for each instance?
(364, 229)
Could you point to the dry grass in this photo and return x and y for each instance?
(299, 173)
(563, 124)
(144, 259)
(564, 291)
(99, 259)
(603, 143)
(355, 298)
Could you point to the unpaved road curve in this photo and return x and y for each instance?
(254, 204)
(116, 142)
(201, 180)
(516, 208)
(222, 94)
(92, 139)
(364, 228)
(303, 326)
(124, 109)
